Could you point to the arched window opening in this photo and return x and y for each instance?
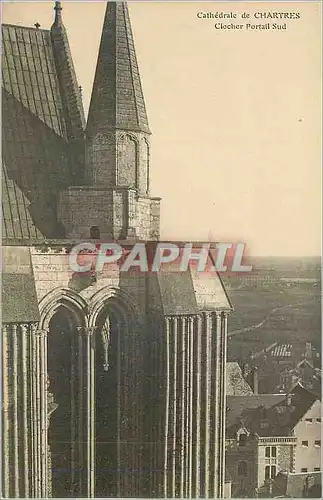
(60, 434)
(108, 373)
(127, 162)
(144, 167)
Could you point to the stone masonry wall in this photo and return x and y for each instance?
(81, 208)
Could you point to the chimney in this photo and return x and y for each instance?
(255, 380)
(308, 351)
(289, 399)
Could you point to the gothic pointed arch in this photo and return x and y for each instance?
(119, 299)
(61, 297)
(127, 160)
(63, 319)
(113, 315)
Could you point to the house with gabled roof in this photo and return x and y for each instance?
(266, 434)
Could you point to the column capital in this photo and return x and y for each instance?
(86, 331)
(41, 333)
(34, 327)
(24, 328)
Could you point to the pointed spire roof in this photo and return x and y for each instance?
(72, 104)
(117, 98)
(58, 13)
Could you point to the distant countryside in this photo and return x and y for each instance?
(280, 302)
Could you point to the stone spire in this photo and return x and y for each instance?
(117, 98)
(70, 92)
(58, 14)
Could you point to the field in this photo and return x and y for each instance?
(288, 315)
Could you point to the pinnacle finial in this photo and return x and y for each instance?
(58, 13)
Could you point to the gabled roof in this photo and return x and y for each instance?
(117, 98)
(281, 411)
(239, 407)
(305, 362)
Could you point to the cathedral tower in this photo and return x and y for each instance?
(113, 384)
(117, 145)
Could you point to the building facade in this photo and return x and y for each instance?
(308, 432)
(113, 382)
(269, 435)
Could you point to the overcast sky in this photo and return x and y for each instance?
(235, 116)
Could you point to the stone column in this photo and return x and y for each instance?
(167, 409)
(208, 394)
(81, 427)
(86, 409)
(190, 372)
(174, 403)
(25, 397)
(198, 369)
(223, 360)
(6, 445)
(33, 413)
(21, 474)
(217, 340)
(43, 412)
(90, 408)
(182, 399)
(15, 407)
(75, 473)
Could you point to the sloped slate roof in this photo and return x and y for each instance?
(29, 74)
(19, 299)
(35, 150)
(17, 222)
(177, 293)
(283, 411)
(239, 406)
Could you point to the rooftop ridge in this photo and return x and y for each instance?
(4, 25)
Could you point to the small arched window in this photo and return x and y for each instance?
(95, 233)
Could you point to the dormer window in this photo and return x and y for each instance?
(242, 439)
(242, 436)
